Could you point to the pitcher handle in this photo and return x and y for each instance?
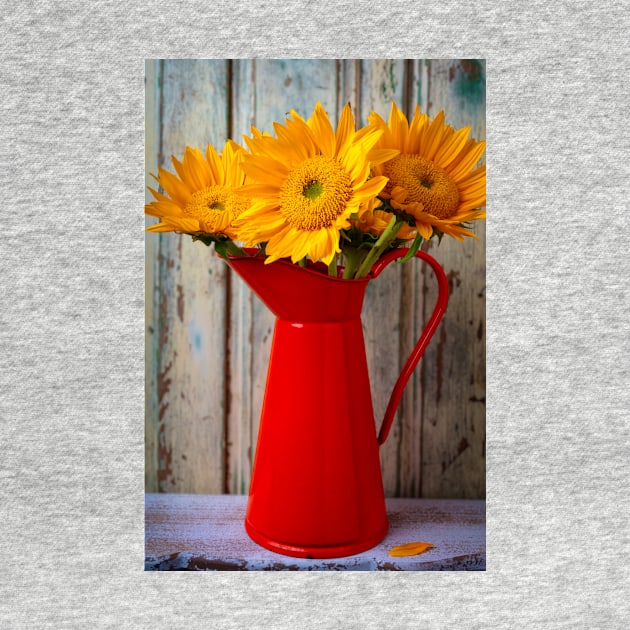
(425, 337)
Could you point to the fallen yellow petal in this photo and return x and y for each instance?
(410, 549)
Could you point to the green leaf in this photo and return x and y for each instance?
(221, 247)
(415, 246)
(206, 239)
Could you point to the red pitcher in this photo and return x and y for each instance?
(316, 489)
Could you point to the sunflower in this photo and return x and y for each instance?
(373, 220)
(432, 180)
(202, 200)
(309, 180)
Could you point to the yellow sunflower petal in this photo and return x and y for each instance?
(158, 195)
(163, 209)
(410, 549)
(419, 122)
(372, 187)
(258, 190)
(265, 170)
(450, 149)
(170, 224)
(323, 130)
(399, 194)
(233, 156)
(176, 189)
(457, 232)
(467, 159)
(345, 130)
(300, 243)
(280, 152)
(293, 130)
(476, 176)
(216, 165)
(425, 229)
(280, 244)
(471, 203)
(469, 215)
(475, 189)
(398, 125)
(434, 135)
(378, 156)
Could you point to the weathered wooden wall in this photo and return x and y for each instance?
(208, 338)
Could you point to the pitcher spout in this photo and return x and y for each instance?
(300, 294)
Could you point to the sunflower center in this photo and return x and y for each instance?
(425, 182)
(312, 190)
(210, 205)
(315, 193)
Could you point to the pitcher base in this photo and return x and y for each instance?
(316, 552)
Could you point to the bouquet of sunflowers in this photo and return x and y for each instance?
(326, 199)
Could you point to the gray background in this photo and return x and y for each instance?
(71, 461)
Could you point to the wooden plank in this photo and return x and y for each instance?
(286, 84)
(241, 416)
(413, 317)
(382, 81)
(191, 301)
(349, 86)
(151, 153)
(265, 90)
(201, 532)
(453, 412)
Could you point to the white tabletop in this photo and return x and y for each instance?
(206, 532)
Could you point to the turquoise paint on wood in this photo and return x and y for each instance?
(469, 79)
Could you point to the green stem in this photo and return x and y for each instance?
(234, 250)
(332, 267)
(353, 259)
(380, 246)
(226, 248)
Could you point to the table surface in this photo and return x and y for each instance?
(192, 532)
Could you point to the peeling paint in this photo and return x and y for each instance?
(165, 454)
(165, 460)
(163, 408)
(453, 281)
(388, 566)
(472, 69)
(202, 564)
(468, 80)
(164, 383)
(180, 302)
(461, 447)
(187, 562)
(440, 363)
